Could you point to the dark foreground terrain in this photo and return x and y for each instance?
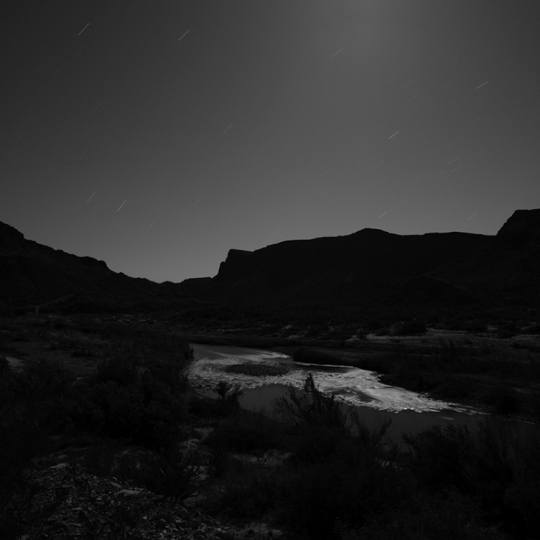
(101, 435)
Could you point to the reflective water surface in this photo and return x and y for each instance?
(360, 389)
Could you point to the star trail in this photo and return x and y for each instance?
(182, 129)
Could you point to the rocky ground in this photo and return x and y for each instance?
(80, 505)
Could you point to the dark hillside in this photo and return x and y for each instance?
(361, 265)
(508, 265)
(32, 274)
(370, 268)
(377, 268)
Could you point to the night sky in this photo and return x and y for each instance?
(157, 135)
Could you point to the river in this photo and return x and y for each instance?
(372, 400)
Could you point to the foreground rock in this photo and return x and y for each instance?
(81, 505)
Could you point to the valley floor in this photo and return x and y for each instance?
(90, 415)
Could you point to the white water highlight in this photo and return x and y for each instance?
(355, 386)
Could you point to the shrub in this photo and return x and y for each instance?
(171, 473)
(208, 408)
(247, 432)
(220, 457)
(249, 492)
(20, 440)
(314, 444)
(497, 463)
(475, 327)
(445, 517)
(453, 386)
(322, 422)
(507, 330)
(122, 370)
(229, 394)
(534, 329)
(314, 408)
(502, 398)
(349, 488)
(373, 324)
(413, 327)
(441, 457)
(147, 412)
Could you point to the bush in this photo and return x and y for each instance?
(454, 387)
(350, 488)
(313, 408)
(507, 330)
(119, 369)
(171, 473)
(373, 324)
(249, 492)
(502, 398)
(322, 422)
(20, 441)
(229, 394)
(208, 408)
(247, 432)
(315, 444)
(445, 517)
(534, 329)
(147, 413)
(475, 327)
(29, 413)
(498, 464)
(409, 328)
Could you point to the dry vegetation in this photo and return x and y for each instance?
(107, 401)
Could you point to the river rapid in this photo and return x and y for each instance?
(360, 389)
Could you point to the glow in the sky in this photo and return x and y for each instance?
(158, 135)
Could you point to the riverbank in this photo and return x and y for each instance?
(355, 386)
(498, 376)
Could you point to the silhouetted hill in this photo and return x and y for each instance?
(33, 274)
(508, 266)
(369, 267)
(376, 266)
(367, 264)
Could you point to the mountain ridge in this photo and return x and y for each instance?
(32, 274)
(369, 266)
(372, 265)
